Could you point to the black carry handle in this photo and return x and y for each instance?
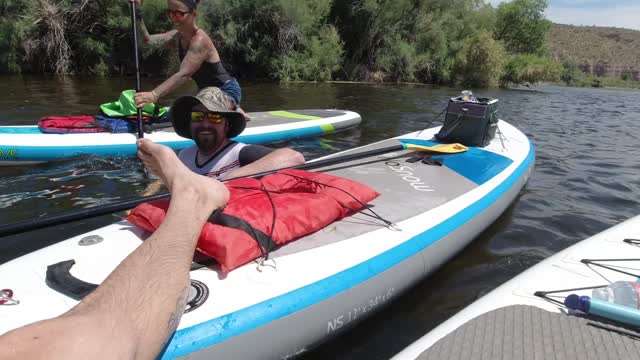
(60, 279)
(445, 132)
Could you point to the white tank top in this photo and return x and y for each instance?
(226, 159)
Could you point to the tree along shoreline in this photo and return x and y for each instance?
(466, 43)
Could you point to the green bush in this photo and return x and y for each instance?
(529, 70)
(619, 82)
(399, 60)
(70, 36)
(321, 57)
(274, 38)
(571, 75)
(481, 61)
(12, 31)
(406, 40)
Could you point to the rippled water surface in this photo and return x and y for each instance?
(587, 178)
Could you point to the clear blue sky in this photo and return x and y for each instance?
(617, 13)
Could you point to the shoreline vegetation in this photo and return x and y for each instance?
(430, 42)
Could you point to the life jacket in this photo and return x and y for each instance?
(89, 124)
(265, 213)
(71, 124)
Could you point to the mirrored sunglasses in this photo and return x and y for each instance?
(198, 116)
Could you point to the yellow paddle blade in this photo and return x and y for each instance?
(440, 148)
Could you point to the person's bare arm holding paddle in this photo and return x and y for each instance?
(199, 58)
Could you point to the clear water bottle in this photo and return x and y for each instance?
(624, 314)
(626, 293)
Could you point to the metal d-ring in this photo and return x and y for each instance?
(6, 297)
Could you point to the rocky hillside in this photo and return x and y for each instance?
(600, 51)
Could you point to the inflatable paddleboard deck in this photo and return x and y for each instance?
(318, 286)
(21, 145)
(525, 318)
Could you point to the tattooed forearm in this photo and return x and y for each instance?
(192, 61)
(155, 40)
(175, 316)
(158, 39)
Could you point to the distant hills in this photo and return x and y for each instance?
(599, 51)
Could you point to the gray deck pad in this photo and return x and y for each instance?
(527, 332)
(272, 117)
(398, 199)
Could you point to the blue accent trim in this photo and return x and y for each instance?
(20, 130)
(214, 331)
(475, 164)
(50, 153)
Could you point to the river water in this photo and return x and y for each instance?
(587, 178)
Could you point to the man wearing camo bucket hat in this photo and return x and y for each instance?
(206, 119)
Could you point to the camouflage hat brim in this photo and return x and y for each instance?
(214, 100)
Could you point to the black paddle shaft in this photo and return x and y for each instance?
(76, 215)
(134, 26)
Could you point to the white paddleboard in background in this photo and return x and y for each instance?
(20, 145)
(553, 280)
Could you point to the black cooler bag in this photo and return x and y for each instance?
(471, 123)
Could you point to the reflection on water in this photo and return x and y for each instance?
(586, 179)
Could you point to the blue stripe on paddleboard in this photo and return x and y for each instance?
(214, 331)
(19, 130)
(475, 164)
(50, 153)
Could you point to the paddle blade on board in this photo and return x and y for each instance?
(440, 148)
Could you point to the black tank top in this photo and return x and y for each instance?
(209, 74)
